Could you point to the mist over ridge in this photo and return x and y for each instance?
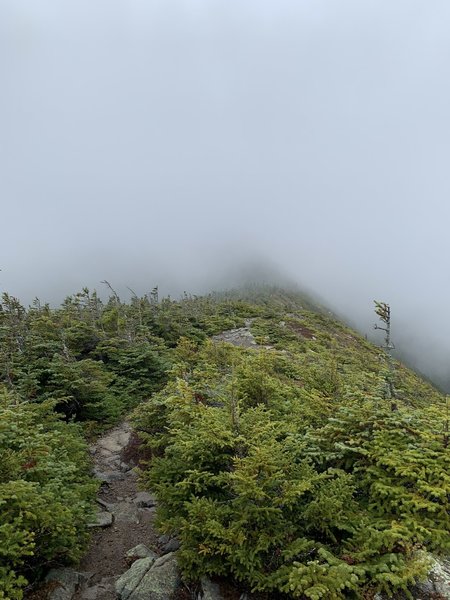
(198, 144)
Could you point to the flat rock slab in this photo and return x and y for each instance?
(116, 440)
(439, 576)
(171, 546)
(106, 586)
(129, 581)
(109, 476)
(144, 500)
(68, 581)
(160, 582)
(113, 461)
(238, 337)
(140, 551)
(210, 590)
(125, 512)
(103, 519)
(109, 446)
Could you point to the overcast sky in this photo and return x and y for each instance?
(171, 142)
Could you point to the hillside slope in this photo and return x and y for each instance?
(276, 460)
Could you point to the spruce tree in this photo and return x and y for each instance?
(383, 311)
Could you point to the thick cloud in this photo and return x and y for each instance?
(172, 142)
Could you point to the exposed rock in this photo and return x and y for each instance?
(124, 436)
(115, 441)
(160, 582)
(68, 580)
(108, 476)
(129, 524)
(164, 539)
(129, 581)
(103, 519)
(144, 500)
(112, 462)
(210, 590)
(171, 546)
(105, 587)
(105, 504)
(238, 337)
(104, 453)
(140, 551)
(109, 446)
(125, 512)
(92, 593)
(438, 577)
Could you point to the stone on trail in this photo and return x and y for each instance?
(106, 586)
(115, 441)
(144, 500)
(210, 590)
(68, 581)
(164, 539)
(108, 446)
(140, 551)
(171, 546)
(103, 519)
(125, 512)
(108, 476)
(128, 582)
(112, 462)
(238, 337)
(105, 504)
(160, 582)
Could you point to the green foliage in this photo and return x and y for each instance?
(280, 466)
(285, 469)
(139, 369)
(95, 361)
(46, 492)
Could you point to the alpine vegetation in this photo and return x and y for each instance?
(287, 453)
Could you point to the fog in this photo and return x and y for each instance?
(191, 144)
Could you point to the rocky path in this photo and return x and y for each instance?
(124, 546)
(124, 520)
(127, 560)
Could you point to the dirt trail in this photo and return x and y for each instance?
(127, 516)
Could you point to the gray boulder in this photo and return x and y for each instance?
(144, 500)
(171, 546)
(125, 512)
(68, 582)
(438, 580)
(103, 519)
(160, 582)
(104, 588)
(129, 581)
(210, 590)
(108, 476)
(140, 551)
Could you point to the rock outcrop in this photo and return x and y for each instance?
(150, 579)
